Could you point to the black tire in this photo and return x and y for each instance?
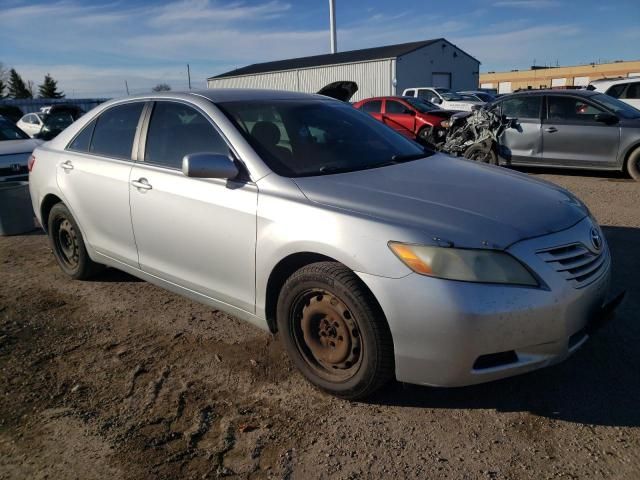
(481, 153)
(334, 331)
(633, 165)
(67, 243)
(425, 136)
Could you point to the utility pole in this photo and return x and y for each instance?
(332, 25)
(189, 76)
(126, 86)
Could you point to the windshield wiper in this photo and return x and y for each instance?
(409, 157)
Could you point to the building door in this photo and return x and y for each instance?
(441, 80)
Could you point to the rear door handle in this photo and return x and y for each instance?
(141, 184)
(551, 129)
(67, 165)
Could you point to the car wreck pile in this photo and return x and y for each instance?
(474, 135)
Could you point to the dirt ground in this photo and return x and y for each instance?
(117, 379)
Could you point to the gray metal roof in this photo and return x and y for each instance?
(377, 53)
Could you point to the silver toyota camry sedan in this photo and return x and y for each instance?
(371, 257)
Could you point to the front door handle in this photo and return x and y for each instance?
(141, 184)
(67, 165)
(551, 129)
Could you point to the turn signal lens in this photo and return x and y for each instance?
(445, 124)
(31, 162)
(483, 266)
(406, 254)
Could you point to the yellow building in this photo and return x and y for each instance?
(557, 77)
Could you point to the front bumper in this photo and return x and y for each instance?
(450, 333)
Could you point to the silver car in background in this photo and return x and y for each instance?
(371, 257)
(570, 128)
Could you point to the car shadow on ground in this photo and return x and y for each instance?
(599, 385)
(114, 275)
(609, 175)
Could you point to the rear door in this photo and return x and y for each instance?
(93, 175)
(400, 117)
(197, 233)
(522, 144)
(571, 136)
(631, 94)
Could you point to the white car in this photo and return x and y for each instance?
(31, 123)
(443, 97)
(15, 150)
(625, 89)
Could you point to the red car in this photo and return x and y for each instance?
(415, 118)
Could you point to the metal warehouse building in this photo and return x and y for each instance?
(377, 71)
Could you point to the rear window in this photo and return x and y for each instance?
(83, 139)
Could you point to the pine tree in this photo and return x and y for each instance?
(17, 87)
(49, 89)
(3, 86)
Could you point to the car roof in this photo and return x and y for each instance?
(614, 81)
(231, 95)
(548, 91)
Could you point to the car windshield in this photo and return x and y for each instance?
(298, 138)
(617, 106)
(421, 104)
(8, 131)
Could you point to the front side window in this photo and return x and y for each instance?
(374, 106)
(323, 137)
(396, 108)
(522, 107)
(633, 91)
(410, 93)
(176, 130)
(115, 130)
(571, 109)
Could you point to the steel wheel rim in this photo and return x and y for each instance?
(327, 335)
(66, 243)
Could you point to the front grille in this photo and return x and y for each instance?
(576, 263)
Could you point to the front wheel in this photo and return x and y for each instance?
(68, 245)
(481, 153)
(334, 331)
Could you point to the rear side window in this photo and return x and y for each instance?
(115, 130)
(373, 106)
(522, 107)
(176, 130)
(410, 93)
(83, 139)
(395, 107)
(617, 90)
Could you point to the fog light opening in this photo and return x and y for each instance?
(493, 360)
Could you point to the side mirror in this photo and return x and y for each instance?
(209, 165)
(436, 100)
(606, 118)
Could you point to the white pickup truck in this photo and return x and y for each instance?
(443, 97)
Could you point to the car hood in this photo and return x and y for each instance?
(469, 204)
(8, 147)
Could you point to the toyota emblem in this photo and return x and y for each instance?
(596, 239)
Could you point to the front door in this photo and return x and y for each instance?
(572, 136)
(197, 233)
(399, 117)
(93, 175)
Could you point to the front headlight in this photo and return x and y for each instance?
(486, 266)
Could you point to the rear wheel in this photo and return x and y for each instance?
(68, 245)
(334, 331)
(633, 164)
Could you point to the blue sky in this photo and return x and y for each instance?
(92, 47)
